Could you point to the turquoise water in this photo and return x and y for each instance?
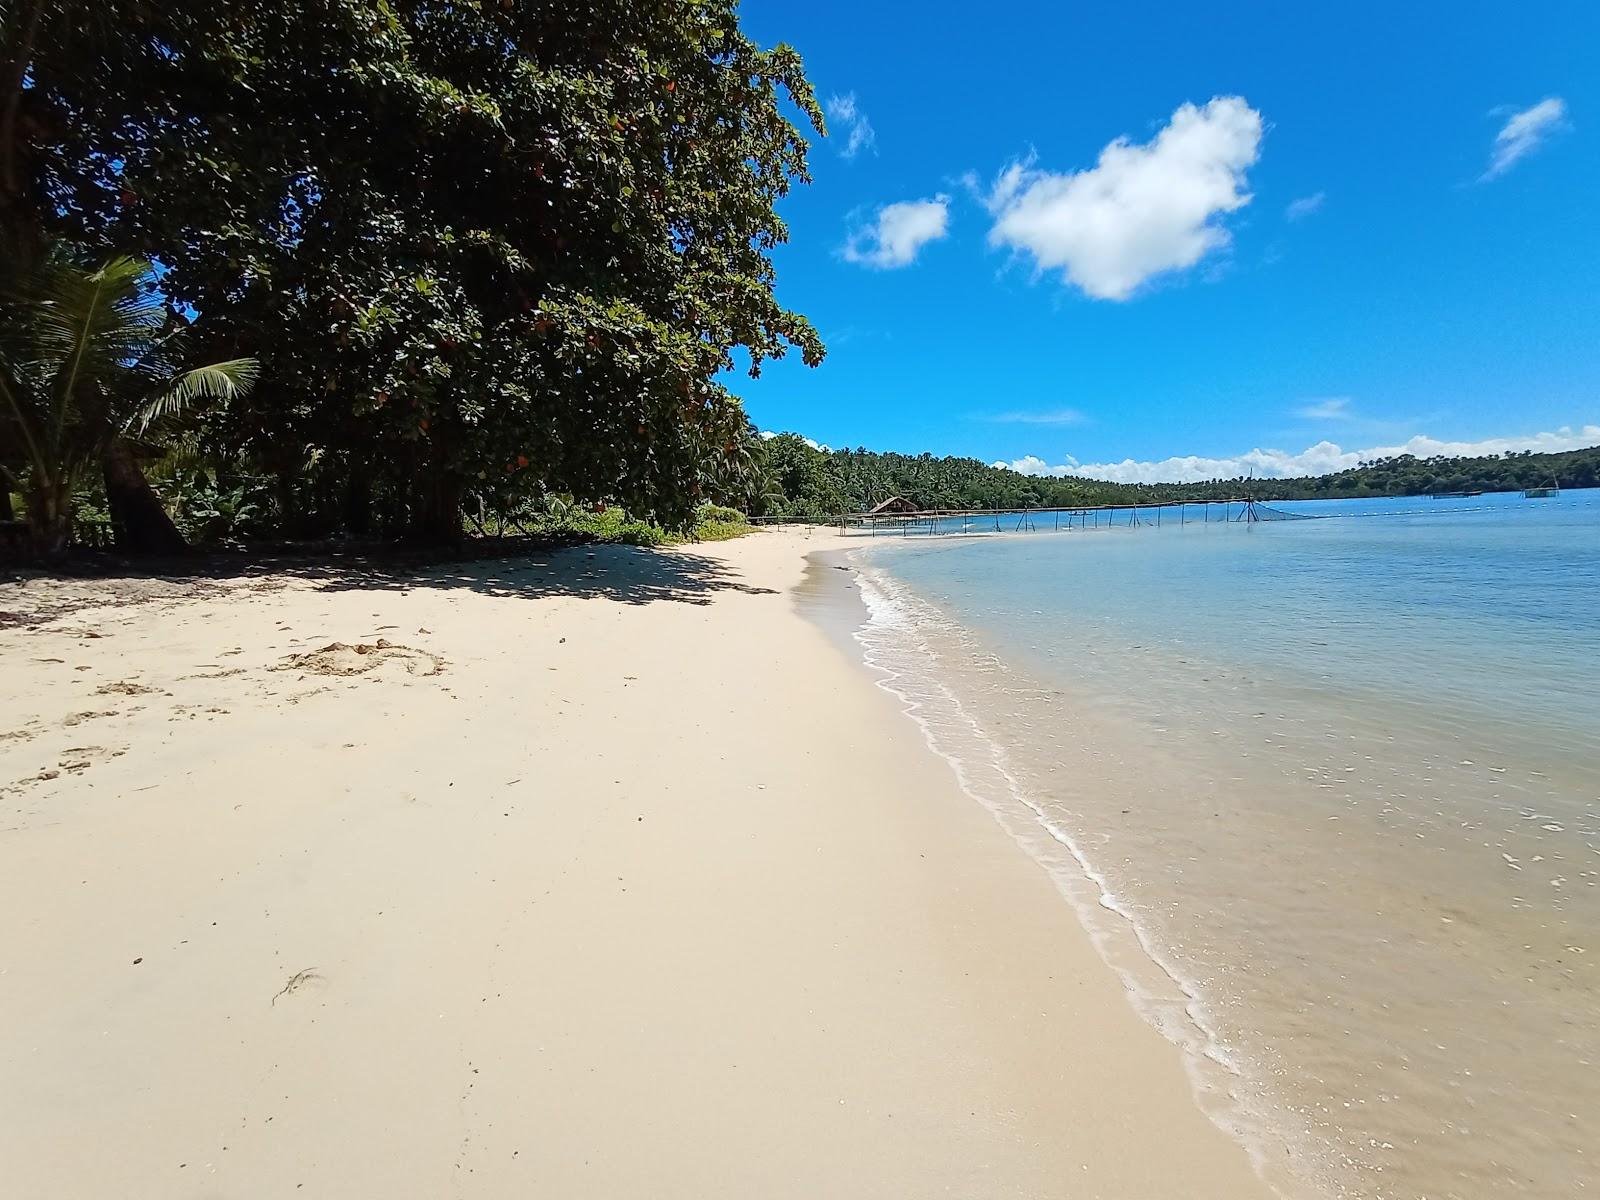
(1342, 778)
(1488, 604)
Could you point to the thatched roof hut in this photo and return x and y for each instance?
(894, 504)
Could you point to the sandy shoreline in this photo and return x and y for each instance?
(613, 877)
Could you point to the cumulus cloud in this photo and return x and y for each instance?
(1032, 464)
(769, 434)
(1333, 408)
(845, 113)
(1321, 459)
(898, 233)
(1305, 206)
(1142, 210)
(1523, 133)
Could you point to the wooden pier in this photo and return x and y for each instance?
(956, 522)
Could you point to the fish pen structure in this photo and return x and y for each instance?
(945, 522)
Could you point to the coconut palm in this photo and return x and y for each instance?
(89, 354)
(734, 472)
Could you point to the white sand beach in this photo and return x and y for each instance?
(608, 875)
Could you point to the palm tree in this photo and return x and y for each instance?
(735, 473)
(89, 355)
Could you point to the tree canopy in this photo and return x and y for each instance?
(481, 251)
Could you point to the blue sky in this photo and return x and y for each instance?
(1331, 228)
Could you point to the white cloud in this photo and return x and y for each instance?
(900, 231)
(1032, 464)
(1143, 210)
(1322, 459)
(1305, 206)
(769, 434)
(1333, 408)
(845, 112)
(1055, 416)
(1523, 133)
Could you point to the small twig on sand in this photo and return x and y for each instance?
(295, 981)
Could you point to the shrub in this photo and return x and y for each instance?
(639, 533)
(718, 513)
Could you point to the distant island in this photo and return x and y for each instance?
(805, 481)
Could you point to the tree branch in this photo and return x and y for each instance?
(16, 72)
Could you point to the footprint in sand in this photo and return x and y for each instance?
(77, 759)
(74, 760)
(345, 659)
(194, 710)
(123, 687)
(78, 718)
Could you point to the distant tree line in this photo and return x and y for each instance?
(805, 481)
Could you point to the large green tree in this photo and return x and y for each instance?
(504, 246)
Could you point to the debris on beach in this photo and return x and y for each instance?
(296, 981)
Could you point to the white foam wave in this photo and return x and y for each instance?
(897, 645)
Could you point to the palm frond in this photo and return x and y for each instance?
(217, 381)
(88, 327)
(109, 312)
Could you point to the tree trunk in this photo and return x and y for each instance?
(142, 524)
(288, 502)
(436, 509)
(21, 237)
(356, 504)
(49, 518)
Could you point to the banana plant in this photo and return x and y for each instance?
(90, 353)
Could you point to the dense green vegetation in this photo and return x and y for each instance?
(560, 522)
(476, 254)
(92, 361)
(1406, 475)
(808, 482)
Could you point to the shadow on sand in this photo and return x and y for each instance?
(515, 570)
(626, 574)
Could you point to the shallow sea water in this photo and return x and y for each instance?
(1328, 794)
